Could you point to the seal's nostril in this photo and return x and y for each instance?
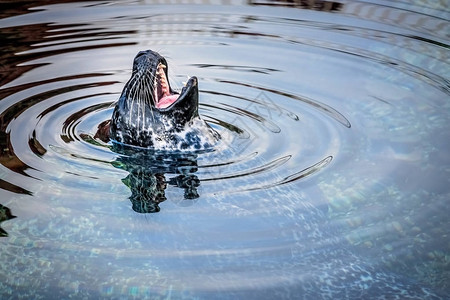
(141, 53)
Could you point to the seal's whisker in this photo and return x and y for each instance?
(154, 79)
(134, 93)
(130, 91)
(141, 99)
(149, 98)
(130, 105)
(148, 94)
(145, 98)
(148, 82)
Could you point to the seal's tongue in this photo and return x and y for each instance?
(163, 97)
(166, 101)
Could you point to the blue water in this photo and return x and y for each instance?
(331, 180)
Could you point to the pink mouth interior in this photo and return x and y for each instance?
(163, 97)
(166, 101)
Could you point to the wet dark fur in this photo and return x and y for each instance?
(136, 120)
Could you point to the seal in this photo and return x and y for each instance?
(150, 114)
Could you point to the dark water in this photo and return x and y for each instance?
(331, 180)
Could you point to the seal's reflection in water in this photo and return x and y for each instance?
(5, 215)
(147, 175)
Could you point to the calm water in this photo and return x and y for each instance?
(331, 180)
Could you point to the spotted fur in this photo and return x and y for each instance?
(137, 121)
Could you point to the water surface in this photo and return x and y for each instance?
(331, 180)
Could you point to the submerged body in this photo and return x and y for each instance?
(150, 114)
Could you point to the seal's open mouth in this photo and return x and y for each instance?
(163, 94)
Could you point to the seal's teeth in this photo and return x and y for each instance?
(162, 87)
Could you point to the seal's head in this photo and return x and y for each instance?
(151, 114)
